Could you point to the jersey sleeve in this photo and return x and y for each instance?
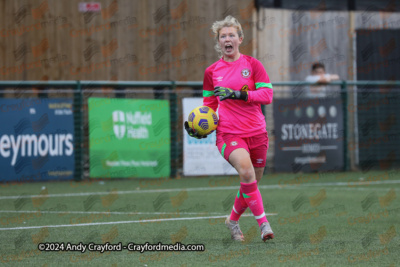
(263, 93)
(209, 99)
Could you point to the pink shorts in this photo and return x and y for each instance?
(257, 146)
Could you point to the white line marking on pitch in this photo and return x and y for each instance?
(199, 189)
(353, 183)
(123, 192)
(123, 222)
(107, 212)
(357, 189)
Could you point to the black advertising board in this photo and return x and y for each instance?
(308, 135)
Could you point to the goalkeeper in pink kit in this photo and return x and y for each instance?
(239, 84)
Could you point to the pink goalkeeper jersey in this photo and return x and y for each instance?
(240, 117)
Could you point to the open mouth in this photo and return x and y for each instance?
(228, 48)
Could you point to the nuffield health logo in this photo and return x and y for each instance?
(119, 123)
(133, 124)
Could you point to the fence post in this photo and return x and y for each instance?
(344, 96)
(78, 124)
(174, 129)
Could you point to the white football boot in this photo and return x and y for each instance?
(266, 232)
(234, 227)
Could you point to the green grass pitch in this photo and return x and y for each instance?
(326, 219)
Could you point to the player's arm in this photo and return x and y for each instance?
(263, 93)
(228, 93)
(209, 97)
(209, 100)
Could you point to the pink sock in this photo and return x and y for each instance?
(253, 198)
(239, 206)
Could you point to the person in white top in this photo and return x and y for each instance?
(318, 75)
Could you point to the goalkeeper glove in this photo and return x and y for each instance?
(227, 93)
(192, 132)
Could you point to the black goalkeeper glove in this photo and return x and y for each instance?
(192, 132)
(227, 93)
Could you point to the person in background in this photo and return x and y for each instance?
(318, 75)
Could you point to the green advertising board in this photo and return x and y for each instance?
(129, 138)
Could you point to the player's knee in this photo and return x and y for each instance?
(247, 174)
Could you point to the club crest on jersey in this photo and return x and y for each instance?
(246, 73)
(234, 143)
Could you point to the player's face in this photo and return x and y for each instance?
(229, 42)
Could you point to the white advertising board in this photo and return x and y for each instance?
(201, 156)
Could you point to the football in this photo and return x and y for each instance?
(203, 119)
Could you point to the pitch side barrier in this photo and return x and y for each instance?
(367, 134)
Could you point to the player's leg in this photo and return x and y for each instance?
(241, 160)
(258, 146)
(265, 228)
(234, 148)
(259, 173)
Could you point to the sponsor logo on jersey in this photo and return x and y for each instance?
(220, 78)
(245, 88)
(246, 73)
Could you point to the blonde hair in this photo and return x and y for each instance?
(229, 21)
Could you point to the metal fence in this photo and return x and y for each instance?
(371, 111)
